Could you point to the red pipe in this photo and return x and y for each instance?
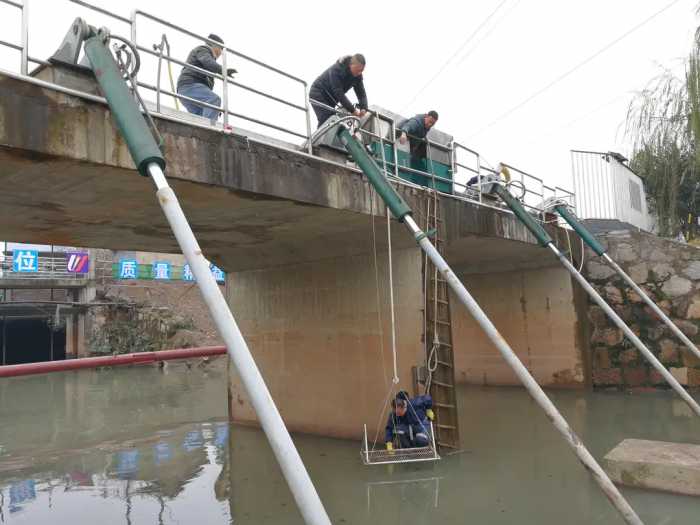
(116, 360)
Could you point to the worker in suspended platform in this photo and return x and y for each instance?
(408, 425)
(198, 85)
(330, 87)
(415, 130)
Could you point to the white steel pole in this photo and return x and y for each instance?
(677, 331)
(295, 473)
(627, 331)
(589, 462)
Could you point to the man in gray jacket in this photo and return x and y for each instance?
(415, 130)
(198, 85)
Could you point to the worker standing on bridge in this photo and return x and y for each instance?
(198, 85)
(330, 87)
(415, 130)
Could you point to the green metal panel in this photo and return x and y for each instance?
(126, 113)
(587, 236)
(442, 172)
(375, 175)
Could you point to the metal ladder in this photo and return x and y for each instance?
(438, 318)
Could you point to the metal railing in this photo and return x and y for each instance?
(47, 267)
(301, 105)
(466, 167)
(23, 46)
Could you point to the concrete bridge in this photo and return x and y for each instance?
(293, 231)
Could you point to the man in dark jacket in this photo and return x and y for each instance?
(330, 87)
(408, 422)
(198, 85)
(415, 129)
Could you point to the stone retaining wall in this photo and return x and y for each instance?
(670, 273)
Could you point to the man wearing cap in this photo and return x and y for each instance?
(408, 424)
(198, 85)
(415, 129)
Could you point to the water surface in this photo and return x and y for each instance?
(149, 446)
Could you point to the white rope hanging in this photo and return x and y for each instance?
(432, 355)
(395, 379)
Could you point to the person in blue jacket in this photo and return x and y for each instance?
(330, 87)
(415, 129)
(409, 421)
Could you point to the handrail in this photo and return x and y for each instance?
(101, 10)
(219, 77)
(10, 44)
(233, 114)
(213, 42)
(226, 80)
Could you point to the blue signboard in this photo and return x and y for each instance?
(24, 261)
(161, 270)
(218, 273)
(128, 269)
(187, 274)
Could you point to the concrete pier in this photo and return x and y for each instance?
(671, 467)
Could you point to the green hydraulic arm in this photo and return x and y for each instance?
(402, 213)
(570, 217)
(545, 240)
(149, 161)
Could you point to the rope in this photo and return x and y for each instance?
(128, 49)
(425, 286)
(550, 205)
(395, 379)
(432, 363)
(381, 416)
(380, 323)
(431, 356)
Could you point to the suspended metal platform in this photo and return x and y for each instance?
(399, 455)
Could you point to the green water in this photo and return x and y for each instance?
(146, 446)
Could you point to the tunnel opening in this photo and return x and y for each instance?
(31, 340)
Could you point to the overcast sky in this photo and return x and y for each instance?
(474, 62)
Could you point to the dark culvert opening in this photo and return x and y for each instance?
(30, 341)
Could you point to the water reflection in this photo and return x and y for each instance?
(184, 463)
(124, 445)
(414, 497)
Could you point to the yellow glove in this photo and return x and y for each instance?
(389, 445)
(430, 414)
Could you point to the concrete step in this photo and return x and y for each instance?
(660, 465)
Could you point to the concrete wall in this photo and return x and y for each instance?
(313, 329)
(535, 311)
